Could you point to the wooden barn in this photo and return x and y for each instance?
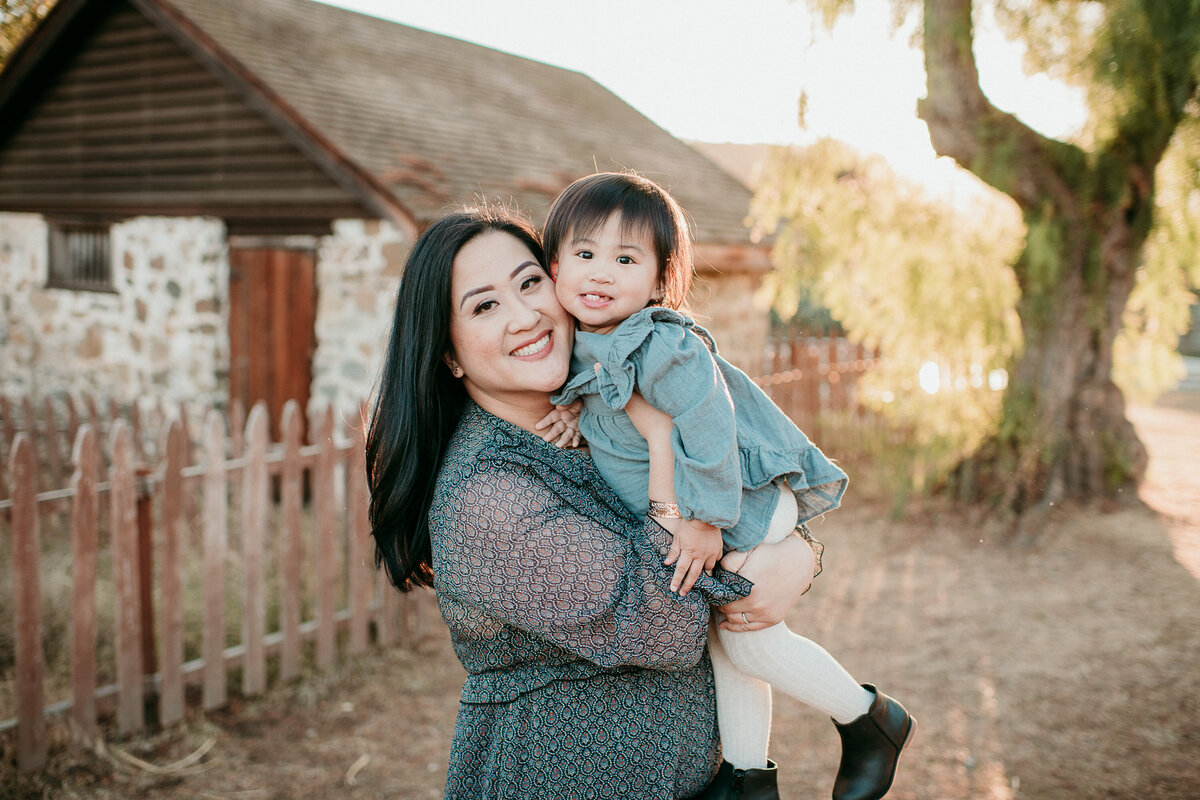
(206, 200)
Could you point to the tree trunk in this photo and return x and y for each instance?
(1064, 433)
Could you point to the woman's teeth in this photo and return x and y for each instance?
(536, 347)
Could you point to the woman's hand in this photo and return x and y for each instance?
(781, 573)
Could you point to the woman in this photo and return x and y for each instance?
(587, 676)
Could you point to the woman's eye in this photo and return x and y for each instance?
(486, 305)
(530, 282)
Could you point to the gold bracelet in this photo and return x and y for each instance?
(664, 510)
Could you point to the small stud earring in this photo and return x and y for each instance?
(458, 373)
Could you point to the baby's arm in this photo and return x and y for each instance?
(695, 545)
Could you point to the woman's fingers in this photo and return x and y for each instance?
(735, 624)
(779, 573)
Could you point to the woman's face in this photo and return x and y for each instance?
(510, 337)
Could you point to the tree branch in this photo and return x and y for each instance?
(963, 124)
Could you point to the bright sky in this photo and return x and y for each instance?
(733, 70)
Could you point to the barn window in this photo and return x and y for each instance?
(80, 257)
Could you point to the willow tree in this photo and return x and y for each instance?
(1088, 207)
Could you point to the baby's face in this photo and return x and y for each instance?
(607, 276)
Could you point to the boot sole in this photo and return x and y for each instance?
(908, 735)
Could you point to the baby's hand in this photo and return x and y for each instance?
(562, 425)
(695, 547)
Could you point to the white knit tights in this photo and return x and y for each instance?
(745, 662)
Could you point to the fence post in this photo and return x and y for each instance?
(290, 542)
(254, 523)
(327, 550)
(362, 584)
(216, 536)
(73, 419)
(93, 416)
(30, 661)
(85, 513)
(170, 706)
(837, 389)
(145, 532)
(10, 428)
(58, 473)
(812, 392)
(237, 427)
(127, 580)
(389, 604)
(7, 430)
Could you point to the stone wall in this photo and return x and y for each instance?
(358, 270)
(163, 332)
(160, 333)
(728, 298)
(734, 309)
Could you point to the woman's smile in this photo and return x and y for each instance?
(536, 347)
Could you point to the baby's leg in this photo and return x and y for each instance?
(792, 664)
(743, 710)
(798, 667)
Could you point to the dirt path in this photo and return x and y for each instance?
(1065, 669)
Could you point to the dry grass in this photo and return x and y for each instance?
(1062, 669)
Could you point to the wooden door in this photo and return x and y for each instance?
(272, 311)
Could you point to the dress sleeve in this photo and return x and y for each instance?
(523, 555)
(678, 375)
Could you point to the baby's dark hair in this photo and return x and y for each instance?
(584, 206)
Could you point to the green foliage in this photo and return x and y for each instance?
(925, 282)
(1134, 58)
(1146, 360)
(1059, 39)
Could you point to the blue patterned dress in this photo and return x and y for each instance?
(587, 677)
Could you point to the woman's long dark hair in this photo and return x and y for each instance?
(419, 402)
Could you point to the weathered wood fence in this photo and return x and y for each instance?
(244, 503)
(276, 499)
(814, 380)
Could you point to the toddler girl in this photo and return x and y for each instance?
(743, 473)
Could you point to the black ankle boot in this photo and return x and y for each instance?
(871, 747)
(744, 784)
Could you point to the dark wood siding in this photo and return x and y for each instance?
(131, 123)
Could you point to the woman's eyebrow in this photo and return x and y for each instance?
(480, 290)
(472, 292)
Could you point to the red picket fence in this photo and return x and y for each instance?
(154, 511)
(52, 425)
(142, 511)
(813, 379)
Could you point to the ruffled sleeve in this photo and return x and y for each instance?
(662, 354)
(678, 375)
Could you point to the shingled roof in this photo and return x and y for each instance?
(438, 121)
